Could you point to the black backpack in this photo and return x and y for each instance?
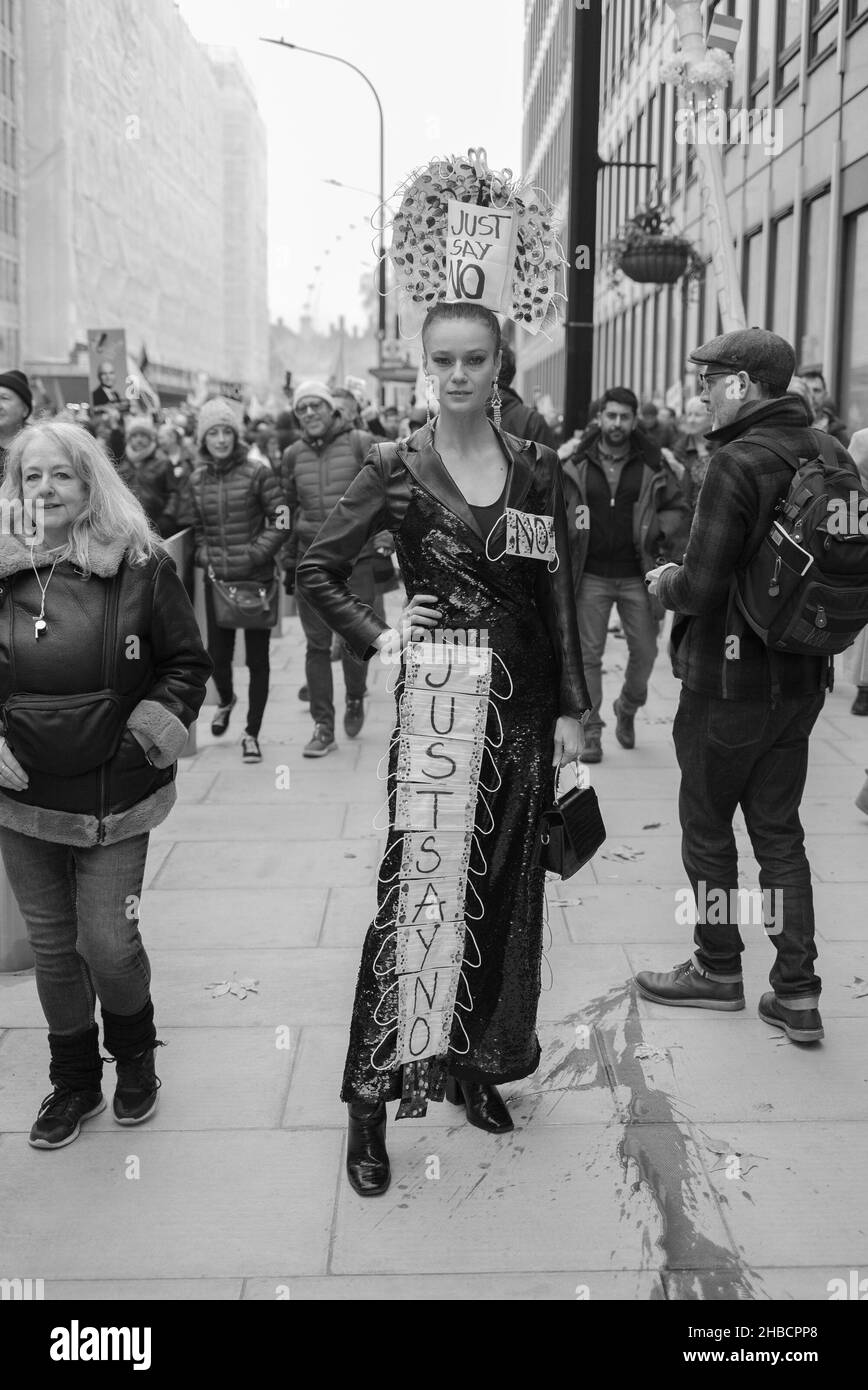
(805, 591)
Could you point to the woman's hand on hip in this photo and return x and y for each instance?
(417, 617)
(13, 778)
(568, 740)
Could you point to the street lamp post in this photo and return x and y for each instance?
(381, 324)
(688, 17)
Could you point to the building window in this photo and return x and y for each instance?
(789, 44)
(856, 11)
(812, 293)
(753, 275)
(853, 400)
(762, 42)
(824, 29)
(782, 268)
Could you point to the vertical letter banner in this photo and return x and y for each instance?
(481, 255)
(441, 733)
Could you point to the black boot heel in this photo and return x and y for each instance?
(367, 1160)
(454, 1093)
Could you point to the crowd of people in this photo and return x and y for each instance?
(325, 497)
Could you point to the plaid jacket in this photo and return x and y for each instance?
(734, 511)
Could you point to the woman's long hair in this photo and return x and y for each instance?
(111, 513)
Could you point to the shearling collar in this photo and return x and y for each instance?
(105, 558)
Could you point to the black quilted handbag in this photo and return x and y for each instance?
(570, 832)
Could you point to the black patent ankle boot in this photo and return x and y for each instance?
(484, 1104)
(367, 1161)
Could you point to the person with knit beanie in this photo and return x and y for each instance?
(238, 514)
(16, 404)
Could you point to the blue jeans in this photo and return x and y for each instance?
(318, 662)
(594, 601)
(81, 909)
(752, 754)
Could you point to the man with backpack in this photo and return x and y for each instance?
(315, 473)
(749, 701)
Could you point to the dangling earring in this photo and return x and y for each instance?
(429, 396)
(496, 404)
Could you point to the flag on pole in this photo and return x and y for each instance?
(723, 32)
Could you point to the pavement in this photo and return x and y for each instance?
(657, 1154)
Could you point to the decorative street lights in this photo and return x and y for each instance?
(688, 17)
(381, 324)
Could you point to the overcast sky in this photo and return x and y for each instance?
(448, 75)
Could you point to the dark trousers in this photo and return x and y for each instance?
(221, 646)
(752, 754)
(318, 664)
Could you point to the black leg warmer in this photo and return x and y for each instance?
(75, 1060)
(129, 1035)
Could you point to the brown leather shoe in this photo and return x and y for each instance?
(689, 987)
(800, 1025)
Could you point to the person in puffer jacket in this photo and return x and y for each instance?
(149, 475)
(240, 519)
(102, 672)
(315, 473)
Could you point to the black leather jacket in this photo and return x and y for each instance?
(377, 500)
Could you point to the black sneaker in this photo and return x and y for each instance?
(624, 730)
(687, 986)
(136, 1091)
(800, 1025)
(323, 742)
(60, 1115)
(220, 722)
(304, 694)
(354, 718)
(250, 751)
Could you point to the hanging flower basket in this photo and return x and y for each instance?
(646, 250)
(661, 261)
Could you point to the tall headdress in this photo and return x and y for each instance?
(465, 233)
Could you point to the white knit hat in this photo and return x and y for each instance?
(314, 389)
(218, 411)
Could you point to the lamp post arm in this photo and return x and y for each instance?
(335, 58)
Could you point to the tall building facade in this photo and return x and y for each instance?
(129, 164)
(797, 190)
(547, 114)
(10, 186)
(245, 211)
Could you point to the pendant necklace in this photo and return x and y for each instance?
(39, 624)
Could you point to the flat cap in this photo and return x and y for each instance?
(764, 356)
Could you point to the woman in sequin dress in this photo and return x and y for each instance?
(441, 493)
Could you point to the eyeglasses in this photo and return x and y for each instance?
(311, 408)
(705, 377)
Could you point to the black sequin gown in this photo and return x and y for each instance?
(441, 554)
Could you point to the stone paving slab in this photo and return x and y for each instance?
(559, 1195)
(143, 1290)
(222, 1203)
(734, 1067)
(810, 1284)
(254, 1079)
(803, 1202)
(286, 820)
(296, 987)
(225, 863)
(205, 918)
(601, 1284)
